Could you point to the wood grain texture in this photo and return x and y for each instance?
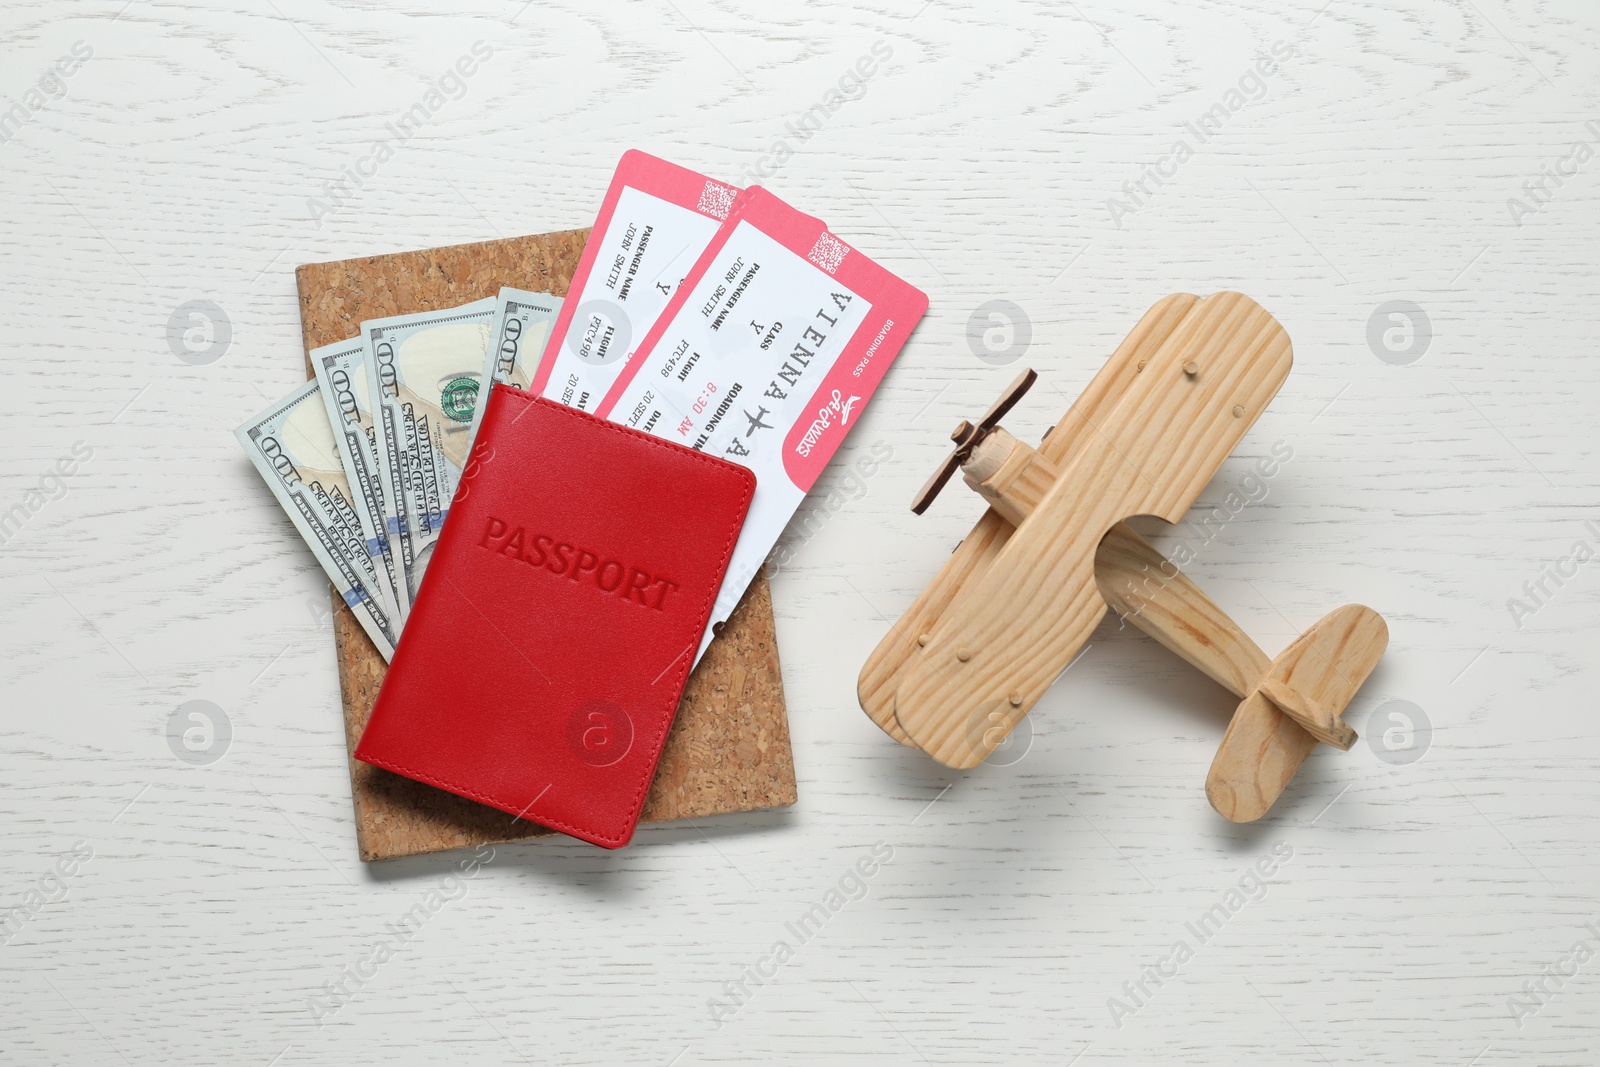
(1279, 721)
(889, 663)
(1445, 861)
(1263, 748)
(1137, 582)
(1011, 630)
(1145, 588)
(728, 749)
(1312, 715)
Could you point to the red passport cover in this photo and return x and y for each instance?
(548, 647)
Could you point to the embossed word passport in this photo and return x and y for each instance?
(550, 640)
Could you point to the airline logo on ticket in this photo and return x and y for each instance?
(656, 220)
(766, 356)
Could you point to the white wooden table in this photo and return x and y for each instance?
(1444, 454)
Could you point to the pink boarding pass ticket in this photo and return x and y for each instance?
(765, 356)
(655, 221)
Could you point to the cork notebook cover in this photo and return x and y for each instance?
(728, 750)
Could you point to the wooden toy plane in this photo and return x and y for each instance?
(1023, 592)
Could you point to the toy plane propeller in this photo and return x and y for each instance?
(968, 437)
(1012, 606)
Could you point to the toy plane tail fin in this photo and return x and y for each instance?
(1299, 701)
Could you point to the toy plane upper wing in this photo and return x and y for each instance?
(996, 649)
(889, 662)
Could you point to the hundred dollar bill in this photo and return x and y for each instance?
(341, 371)
(426, 373)
(521, 327)
(292, 444)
